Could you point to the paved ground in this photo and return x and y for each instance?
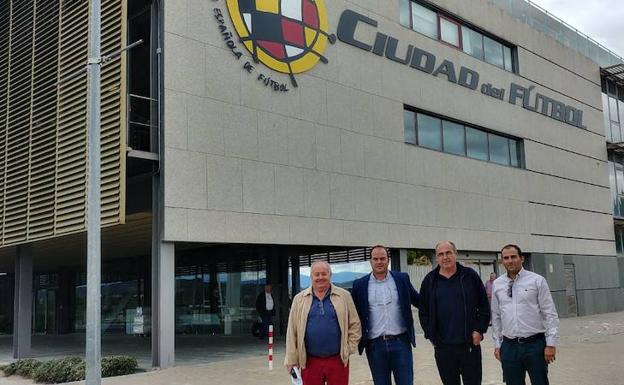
(591, 353)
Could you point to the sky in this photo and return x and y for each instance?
(602, 20)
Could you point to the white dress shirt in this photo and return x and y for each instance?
(384, 311)
(269, 301)
(530, 310)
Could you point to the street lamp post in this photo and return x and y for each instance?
(94, 259)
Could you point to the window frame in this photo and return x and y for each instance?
(511, 140)
(459, 31)
(442, 14)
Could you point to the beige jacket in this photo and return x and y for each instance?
(348, 321)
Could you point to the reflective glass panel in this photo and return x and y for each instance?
(472, 42)
(453, 135)
(613, 110)
(508, 60)
(619, 180)
(424, 21)
(493, 52)
(429, 134)
(476, 144)
(499, 149)
(616, 132)
(449, 32)
(409, 126)
(405, 13)
(514, 152)
(605, 115)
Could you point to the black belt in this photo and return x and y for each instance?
(525, 340)
(389, 337)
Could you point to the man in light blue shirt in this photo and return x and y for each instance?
(384, 300)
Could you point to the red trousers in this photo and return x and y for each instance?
(330, 370)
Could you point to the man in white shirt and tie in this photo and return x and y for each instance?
(524, 321)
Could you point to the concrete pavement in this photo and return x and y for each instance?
(591, 353)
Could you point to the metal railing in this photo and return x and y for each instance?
(542, 20)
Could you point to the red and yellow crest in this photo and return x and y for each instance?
(288, 36)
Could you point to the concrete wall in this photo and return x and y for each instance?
(598, 281)
(326, 163)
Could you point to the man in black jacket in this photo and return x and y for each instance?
(454, 313)
(265, 306)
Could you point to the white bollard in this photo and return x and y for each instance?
(270, 347)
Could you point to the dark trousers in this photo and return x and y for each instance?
(267, 319)
(391, 357)
(519, 358)
(454, 361)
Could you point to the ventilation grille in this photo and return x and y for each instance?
(43, 118)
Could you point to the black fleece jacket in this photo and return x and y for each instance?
(473, 300)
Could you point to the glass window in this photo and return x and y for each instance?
(472, 42)
(499, 149)
(619, 179)
(616, 132)
(453, 135)
(514, 152)
(508, 60)
(409, 126)
(619, 240)
(605, 115)
(404, 9)
(429, 134)
(613, 111)
(449, 31)
(424, 21)
(493, 52)
(476, 144)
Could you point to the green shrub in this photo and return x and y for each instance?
(68, 369)
(24, 368)
(118, 365)
(62, 370)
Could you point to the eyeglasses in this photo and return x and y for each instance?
(510, 289)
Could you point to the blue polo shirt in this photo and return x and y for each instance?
(322, 336)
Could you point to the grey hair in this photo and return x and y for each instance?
(449, 242)
(317, 263)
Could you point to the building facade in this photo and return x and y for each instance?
(264, 135)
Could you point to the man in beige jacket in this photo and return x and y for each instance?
(323, 330)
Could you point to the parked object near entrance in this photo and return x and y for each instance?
(68, 368)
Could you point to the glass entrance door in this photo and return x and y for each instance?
(45, 311)
(218, 298)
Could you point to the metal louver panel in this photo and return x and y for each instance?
(43, 115)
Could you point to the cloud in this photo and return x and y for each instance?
(599, 19)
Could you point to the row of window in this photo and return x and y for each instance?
(616, 182)
(450, 31)
(613, 110)
(454, 138)
(613, 118)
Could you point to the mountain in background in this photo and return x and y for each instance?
(342, 279)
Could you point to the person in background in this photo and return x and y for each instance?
(265, 306)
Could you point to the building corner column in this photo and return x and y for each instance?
(163, 306)
(22, 314)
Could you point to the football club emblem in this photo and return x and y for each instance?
(288, 36)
